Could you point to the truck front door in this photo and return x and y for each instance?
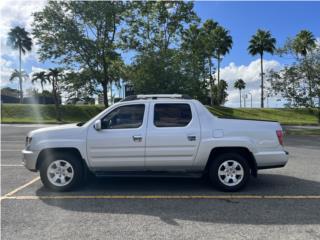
(120, 144)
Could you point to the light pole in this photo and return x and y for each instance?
(250, 99)
(244, 100)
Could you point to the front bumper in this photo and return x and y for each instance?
(29, 159)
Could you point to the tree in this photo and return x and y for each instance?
(209, 48)
(262, 42)
(55, 76)
(304, 42)
(19, 39)
(154, 31)
(86, 37)
(216, 42)
(222, 42)
(79, 84)
(20, 75)
(156, 26)
(240, 84)
(194, 61)
(298, 83)
(41, 77)
(220, 92)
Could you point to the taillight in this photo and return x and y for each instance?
(280, 136)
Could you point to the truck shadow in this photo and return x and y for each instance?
(231, 211)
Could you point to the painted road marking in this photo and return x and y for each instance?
(20, 141)
(19, 188)
(11, 150)
(11, 165)
(227, 197)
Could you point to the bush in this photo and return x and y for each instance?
(35, 113)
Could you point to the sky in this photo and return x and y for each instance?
(242, 19)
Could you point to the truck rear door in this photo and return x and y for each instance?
(173, 135)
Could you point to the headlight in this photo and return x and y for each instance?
(28, 141)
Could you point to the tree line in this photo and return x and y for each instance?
(172, 51)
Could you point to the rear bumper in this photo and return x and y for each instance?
(29, 159)
(266, 160)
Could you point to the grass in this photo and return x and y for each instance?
(286, 116)
(302, 132)
(29, 113)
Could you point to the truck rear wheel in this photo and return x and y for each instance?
(61, 172)
(229, 172)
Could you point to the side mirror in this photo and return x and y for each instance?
(97, 125)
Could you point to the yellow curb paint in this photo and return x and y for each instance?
(20, 188)
(277, 197)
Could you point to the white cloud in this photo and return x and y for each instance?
(251, 75)
(6, 70)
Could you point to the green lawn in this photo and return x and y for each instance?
(287, 116)
(29, 113)
(33, 113)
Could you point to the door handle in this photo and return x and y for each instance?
(137, 138)
(192, 138)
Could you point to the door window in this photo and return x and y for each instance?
(172, 115)
(130, 116)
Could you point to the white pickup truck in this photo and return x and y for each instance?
(155, 135)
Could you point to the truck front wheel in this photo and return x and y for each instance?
(229, 172)
(61, 171)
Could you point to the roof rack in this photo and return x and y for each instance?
(155, 96)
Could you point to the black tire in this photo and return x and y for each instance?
(78, 171)
(223, 158)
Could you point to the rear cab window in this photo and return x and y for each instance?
(172, 114)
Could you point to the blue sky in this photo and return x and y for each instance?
(242, 19)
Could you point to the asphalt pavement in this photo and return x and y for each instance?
(280, 204)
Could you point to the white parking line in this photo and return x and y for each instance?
(9, 194)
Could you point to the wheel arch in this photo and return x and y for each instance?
(51, 151)
(243, 151)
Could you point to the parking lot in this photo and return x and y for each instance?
(279, 204)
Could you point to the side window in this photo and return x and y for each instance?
(130, 116)
(172, 115)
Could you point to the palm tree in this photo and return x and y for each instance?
(19, 39)
(40, 76)
(240, 84)
(20, 75)
(304, 42)
(54, 76)
(208, 46)
(262, 42)
(222, 43)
